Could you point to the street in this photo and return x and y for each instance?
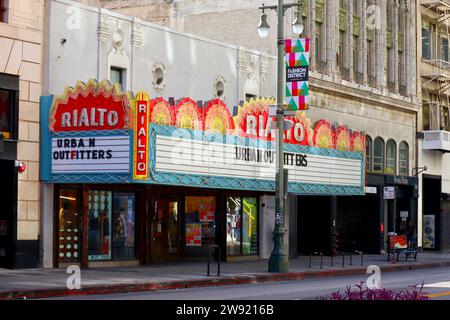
(437, 285)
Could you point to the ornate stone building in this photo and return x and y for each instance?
(21, 43)
(434, 140)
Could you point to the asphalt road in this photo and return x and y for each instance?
(437, 284)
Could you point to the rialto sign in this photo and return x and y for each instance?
(98, 134)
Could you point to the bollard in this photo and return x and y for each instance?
(316, 254)
(209, 259)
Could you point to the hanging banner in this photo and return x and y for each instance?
(297, 74)
(142, 116)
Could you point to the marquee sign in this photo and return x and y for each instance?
(97, 133)
(89, 130)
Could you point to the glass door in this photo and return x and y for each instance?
(166, 230)
(69, 226)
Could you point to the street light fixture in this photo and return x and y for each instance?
(263, 28)
(279, 259)
(297, 25)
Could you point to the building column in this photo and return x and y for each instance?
(311, 18)
(136, 42)
(293, 231)
(332, 11)
(410, 50)
(394, 67)
(47, 229)
(380, 49)
(350, 40)
(333, 227)
(103, 33)
(362, 61)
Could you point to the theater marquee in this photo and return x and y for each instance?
(98, 134)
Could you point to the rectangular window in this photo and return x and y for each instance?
(124, 226)
(355, 58)
(445, 49)
(341, 52)
(100, 215)
(3, 11)
(69, 231)
(116, 76)
(112, 220)
(426, 44)
(6, 113)
(242, 226)
(9, 106)
(250, 226)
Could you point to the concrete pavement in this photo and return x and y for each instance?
(437, 285)
(42, 283)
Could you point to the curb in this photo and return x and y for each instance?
(208, 282)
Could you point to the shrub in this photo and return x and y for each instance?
(364, 293)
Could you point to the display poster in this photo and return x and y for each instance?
(193, 235)
(429, 231)
(202, 211)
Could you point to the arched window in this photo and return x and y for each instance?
(369, 153)
(403, 163)
(378, 155)
(391, 157)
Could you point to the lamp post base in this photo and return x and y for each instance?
(279, 259)
(279, 263)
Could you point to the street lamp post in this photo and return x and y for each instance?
(279, 259)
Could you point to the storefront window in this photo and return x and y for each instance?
(124, 226)
(378, 155)
(234, 209)
(242, 226)
(250, 226)
(69, 226)
(5, 114)
(403, 158)
(200, 218)
(368, 153)
(100, 214)
(391, 157)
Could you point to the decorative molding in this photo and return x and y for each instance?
(264, 67)
(136, 33)
(118, 39)
(159, 66)
(241, 60)
(103, 30)
(219, 79)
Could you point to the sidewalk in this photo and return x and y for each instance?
(42, 283)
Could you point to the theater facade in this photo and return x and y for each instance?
(138, 179)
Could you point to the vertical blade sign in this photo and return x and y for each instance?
(142, 115)
(297, 74)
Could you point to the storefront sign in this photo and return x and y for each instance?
(94, 154)
(297, 69)
(389, 193)
(181, 153)
(140, 164)
(371, 190)
(90, 106)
